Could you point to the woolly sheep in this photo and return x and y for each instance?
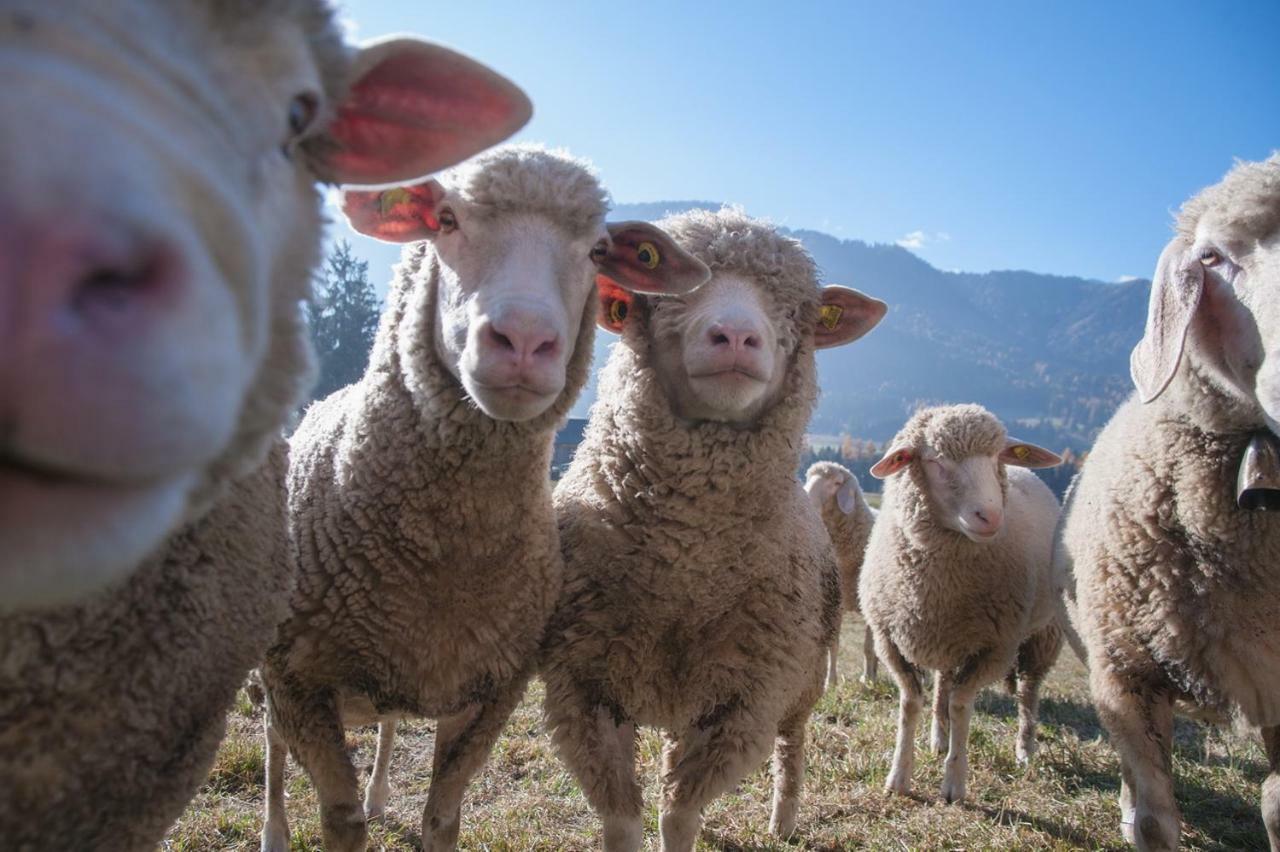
(158, 223)
(835, 492)
(701, 592)
(957, 577)
(1178, 589)
(419, 498)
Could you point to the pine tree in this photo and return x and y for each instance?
(344, 319)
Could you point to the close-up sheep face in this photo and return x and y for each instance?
(520, 239)
(159, 219)
(723, 352)
(957, 456)
(1213, 296)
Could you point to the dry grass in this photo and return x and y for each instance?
(525, 800)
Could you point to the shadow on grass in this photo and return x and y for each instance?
(1076, 716)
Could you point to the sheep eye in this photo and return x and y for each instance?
(448, 221)
(1210, 257)
(599, 251)
(647, 254)
(302, 112)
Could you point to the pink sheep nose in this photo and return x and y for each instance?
(70, 289)
(523, 337)
(734, 336)
(986, 521)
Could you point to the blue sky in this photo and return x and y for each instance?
(994, 135)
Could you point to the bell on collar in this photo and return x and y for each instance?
(1258, 483)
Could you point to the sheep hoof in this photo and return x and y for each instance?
(898, 785)
(343, 828)
(783, 823)
(275, 838)
(1154, 836)
(952, 791)
(375, 803)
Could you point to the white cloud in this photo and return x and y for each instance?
(1125, 279)
(919, 239)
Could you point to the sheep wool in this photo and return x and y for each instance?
(427, 554)
(1177, 590)
(701, 590)
(934, 599)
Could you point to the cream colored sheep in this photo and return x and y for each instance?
(834, 490)
(701, 592)
(159, 220)
(957, 577)
(419, 498)
(1177, 587)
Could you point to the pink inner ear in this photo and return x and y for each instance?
(419, 111)
(399, 214)
(893, 462)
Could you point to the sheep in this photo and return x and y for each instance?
(834, 491)
(159, 220)
(419, 498)
(1177, 588)
(701, 591)
(957, 578)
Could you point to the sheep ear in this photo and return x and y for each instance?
(644, 259)
(1022, 454)
(414, 108)
(847, 496)
(614, 305)
(845, 316)
(1175, 293)
(402, 214)
(895, 460)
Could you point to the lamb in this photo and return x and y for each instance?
(419, 498)
(834, 491)
(1177, 587)
(957, 578)
(158, 223)
(701, 592)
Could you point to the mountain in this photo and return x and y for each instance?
(1048, 354)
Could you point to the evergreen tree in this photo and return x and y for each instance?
(344, 319)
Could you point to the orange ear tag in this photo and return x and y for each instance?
(1021, 452)
(617, 311)
(830, 316)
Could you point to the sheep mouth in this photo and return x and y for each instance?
(46, 475)
(736, 374)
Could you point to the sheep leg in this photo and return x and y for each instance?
(1140, 723)
(313, 728)
(275, 828)
(978, 670)
(833, 654)
(910, 702)
(940, 732)
(463, 743)
(788, 773)
(599, 749)
(378, 790)
(1036, 657)
(1271, 787)
(870, 663)
(703, 762)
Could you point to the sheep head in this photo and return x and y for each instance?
(1213, 301)
(955, 456)
(159, 221)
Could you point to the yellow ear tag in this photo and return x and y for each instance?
(391, 197)
(617, 311)
(831, 316)
(647, 253)
(1021, 453)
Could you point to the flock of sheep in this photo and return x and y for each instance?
(403, 552)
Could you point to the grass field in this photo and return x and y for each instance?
(524, 799)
